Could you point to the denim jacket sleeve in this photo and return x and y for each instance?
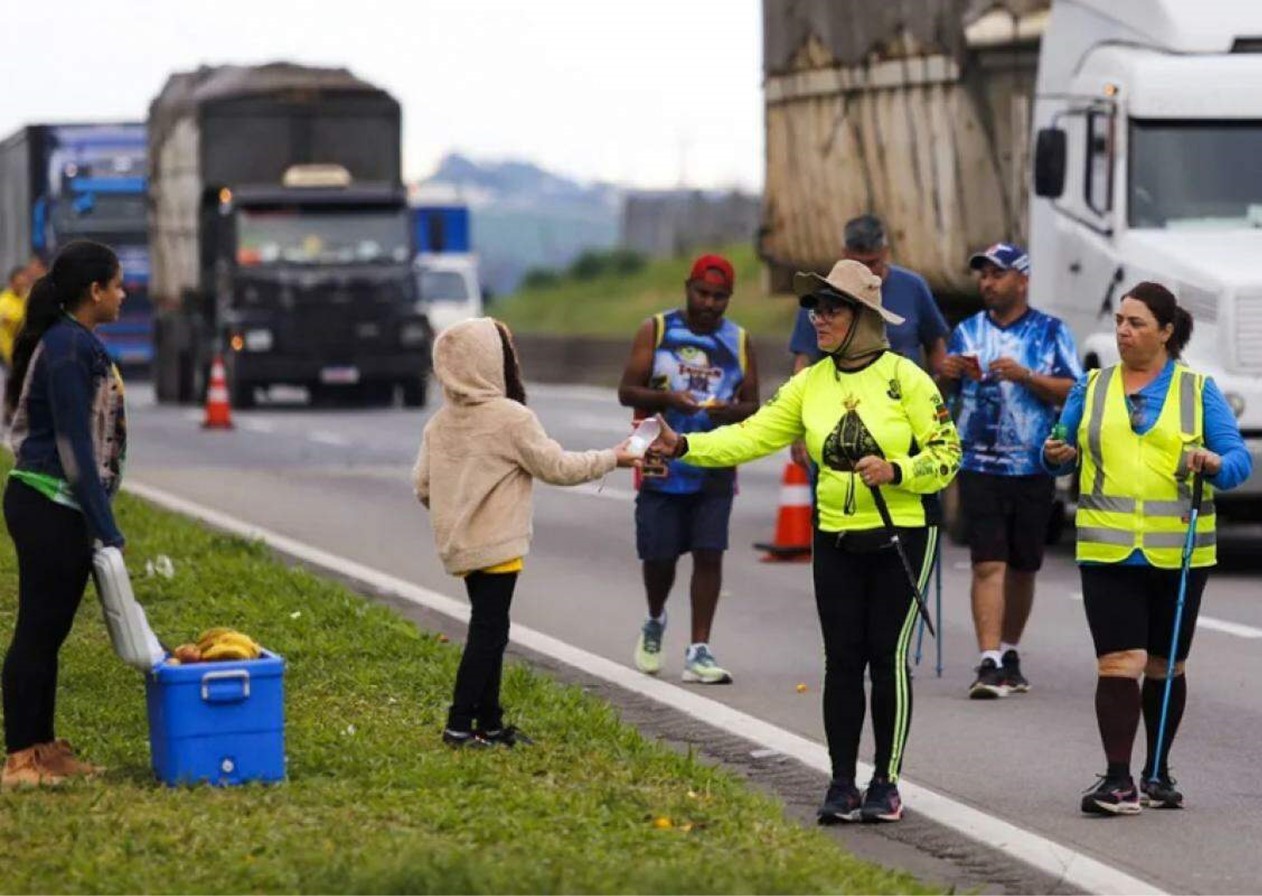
(70, 390)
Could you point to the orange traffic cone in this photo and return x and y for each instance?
(218, 408)
(792, 542)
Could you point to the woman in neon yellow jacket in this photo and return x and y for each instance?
(870, 418)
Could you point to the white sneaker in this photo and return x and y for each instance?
(701, 667)
(648, 649)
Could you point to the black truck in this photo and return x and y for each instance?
(280, 237)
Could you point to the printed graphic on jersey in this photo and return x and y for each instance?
(850, 441)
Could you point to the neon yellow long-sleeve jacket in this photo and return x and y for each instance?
(891, 408)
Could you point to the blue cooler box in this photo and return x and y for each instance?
(220, 722)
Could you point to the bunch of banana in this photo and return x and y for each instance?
(227, 644)
(216, 644)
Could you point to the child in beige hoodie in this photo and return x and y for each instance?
(480, 454)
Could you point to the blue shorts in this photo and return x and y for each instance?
(668, 525)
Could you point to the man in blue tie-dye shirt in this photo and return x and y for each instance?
(1013, 366)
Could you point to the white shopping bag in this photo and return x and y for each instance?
(133, 639)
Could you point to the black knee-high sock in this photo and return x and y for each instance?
(1153, 691)
(1117, 712)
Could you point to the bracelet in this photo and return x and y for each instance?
(681, 447)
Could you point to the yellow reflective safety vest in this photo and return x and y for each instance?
(1135, 492)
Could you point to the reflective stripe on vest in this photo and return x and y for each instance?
(1136, 490)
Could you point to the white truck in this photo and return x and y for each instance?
(1140, 120)
(1148, 166)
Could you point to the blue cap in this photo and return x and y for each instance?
(1005, 256)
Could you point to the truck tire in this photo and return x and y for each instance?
(414, 392)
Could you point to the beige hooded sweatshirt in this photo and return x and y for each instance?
(480, 453)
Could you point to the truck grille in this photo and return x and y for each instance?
(1249, 331)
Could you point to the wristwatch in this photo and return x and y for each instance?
(681, 447)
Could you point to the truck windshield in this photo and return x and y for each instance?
(1195, 174)
(89, 213)
(443, 286)
(322, 236)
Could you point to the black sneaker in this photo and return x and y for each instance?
(1112, 796)
(1012, 677)
(506, 737)
(1161, 793)
(462, 739)
(882, 802)
(841, 803)
(990, 683)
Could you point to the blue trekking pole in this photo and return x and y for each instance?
(1198, 488)
(937, 609)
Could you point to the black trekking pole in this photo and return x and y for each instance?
(884, 511)
(1189, 544)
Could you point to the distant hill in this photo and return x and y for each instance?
(525, 217)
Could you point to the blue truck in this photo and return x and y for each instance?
(60, 182)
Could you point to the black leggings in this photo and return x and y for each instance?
(54, 560)
(477, 696)
(867, 614)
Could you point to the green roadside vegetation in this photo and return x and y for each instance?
(612, 302)
(374, 802)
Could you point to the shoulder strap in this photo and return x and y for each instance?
(659, 329)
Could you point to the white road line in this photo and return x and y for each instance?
(1239, 629)
(327, 438)
(1068, 865)
(254, 424)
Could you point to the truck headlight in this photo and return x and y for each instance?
(413, 334)
(258, 340)
(1235, 401)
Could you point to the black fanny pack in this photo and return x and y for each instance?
(864, 541)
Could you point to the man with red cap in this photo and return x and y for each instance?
(696, 368)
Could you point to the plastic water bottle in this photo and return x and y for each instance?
(1059, 432)
(645, 434)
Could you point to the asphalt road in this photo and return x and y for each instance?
(339, 479)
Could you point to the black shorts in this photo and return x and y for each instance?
(1132, 607)
(668, 525)
(1006, 517)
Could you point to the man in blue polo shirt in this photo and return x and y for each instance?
(922, 334)
(1013, 366)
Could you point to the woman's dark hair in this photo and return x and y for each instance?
(514, 388)
(65, 286)
(1165, 307)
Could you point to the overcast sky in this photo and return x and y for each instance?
(645, 92)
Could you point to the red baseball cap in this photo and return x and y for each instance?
(714, 270)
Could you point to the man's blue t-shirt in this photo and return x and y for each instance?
(906, 294)
(1003, 424)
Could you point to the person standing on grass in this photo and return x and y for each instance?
(1138, 433)
(479, 456)
(1014, 366)
(697, 368)
(922, 334)
(68, 433)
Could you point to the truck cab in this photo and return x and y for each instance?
(1148, 166)
(313, 287)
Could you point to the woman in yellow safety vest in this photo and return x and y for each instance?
(1142, 430)
(871, 419)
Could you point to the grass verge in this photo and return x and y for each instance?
(612, 305)
(374, 802)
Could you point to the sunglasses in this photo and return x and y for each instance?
(827, 306)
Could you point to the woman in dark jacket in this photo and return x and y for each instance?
(68, 432)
